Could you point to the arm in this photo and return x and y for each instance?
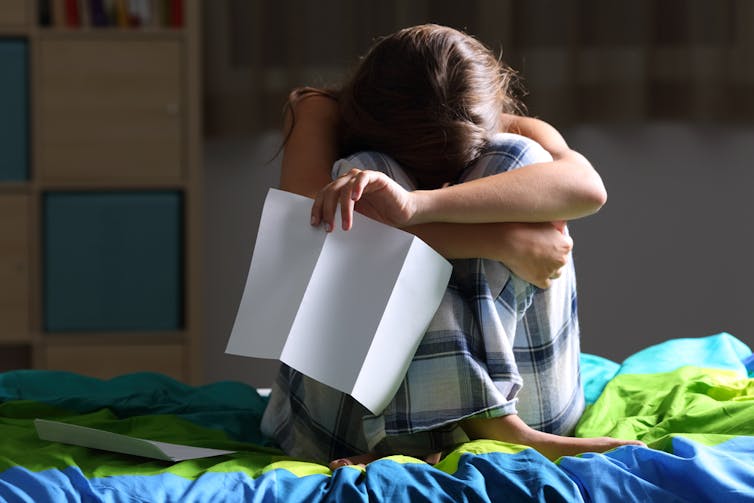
(564, 189)
(311, 148)
(533, 252)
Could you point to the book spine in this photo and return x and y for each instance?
(156, 15)
(121, 13)
(44, 12)
(176, 13)
(84, 13)
(58, 13)
(72, 18)
(98, 15)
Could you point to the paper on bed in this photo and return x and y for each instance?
(345, 308)
(55, 431)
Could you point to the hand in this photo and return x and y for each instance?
(371, 193)
(537, 252)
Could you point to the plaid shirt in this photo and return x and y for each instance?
(496, 346)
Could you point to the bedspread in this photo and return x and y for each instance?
(690, 400)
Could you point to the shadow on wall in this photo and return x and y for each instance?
(238, 173)
(669, 255)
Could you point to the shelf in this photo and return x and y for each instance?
(140, 338)
(106, 361)
(100, 223)
(109, 185)
(12, 32)
(14, 15)
(14, 356)
(110, 33)
(14, 268)
(14, 188)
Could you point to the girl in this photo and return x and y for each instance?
(426, 138)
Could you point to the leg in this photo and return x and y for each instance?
(513, 430)
(375, 161)
(546, 341)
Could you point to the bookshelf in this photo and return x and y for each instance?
(100, 198)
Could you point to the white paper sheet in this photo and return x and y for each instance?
(345, 308)
(65, 433)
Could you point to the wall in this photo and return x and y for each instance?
(237, 176)
(668, 256)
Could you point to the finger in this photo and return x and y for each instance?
(346, 205)
(361, 182)
(329, 196)
(569, 242)
(329, 205)
(316, 214)
(544, 284)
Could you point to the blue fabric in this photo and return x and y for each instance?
(693, 472)
(596, 372)
(704, 466)
(721, 351)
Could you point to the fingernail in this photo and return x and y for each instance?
(314, 220)
(328, 227)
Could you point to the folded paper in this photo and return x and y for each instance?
(347, 308)
(56, 431)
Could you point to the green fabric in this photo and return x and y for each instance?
(229, 406)
(223, 415)
(688, 401)
(20, 440)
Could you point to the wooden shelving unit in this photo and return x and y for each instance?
(113, 121)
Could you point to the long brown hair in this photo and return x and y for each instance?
(429, 96)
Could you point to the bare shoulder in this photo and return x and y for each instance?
(311, 146)
(314, 106)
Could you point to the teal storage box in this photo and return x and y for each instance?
(14, 110)
(113, 261)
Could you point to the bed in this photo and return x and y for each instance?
(690, 400)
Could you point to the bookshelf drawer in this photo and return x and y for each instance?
(14, 13)
(14, 110)
(109, 360)
(112, 261)
(14, 270)
(110, 110)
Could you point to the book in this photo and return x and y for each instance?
(98, 15)
(176, 13)
(347, 308)
(72, 17)
(65, 433)
(44, 13)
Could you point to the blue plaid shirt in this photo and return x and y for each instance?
(496, 346)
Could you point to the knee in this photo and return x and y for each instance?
(374, 161)
(521, 149)
(507, 151)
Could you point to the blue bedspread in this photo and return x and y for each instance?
(690, 400)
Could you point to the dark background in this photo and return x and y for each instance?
(659, 95)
